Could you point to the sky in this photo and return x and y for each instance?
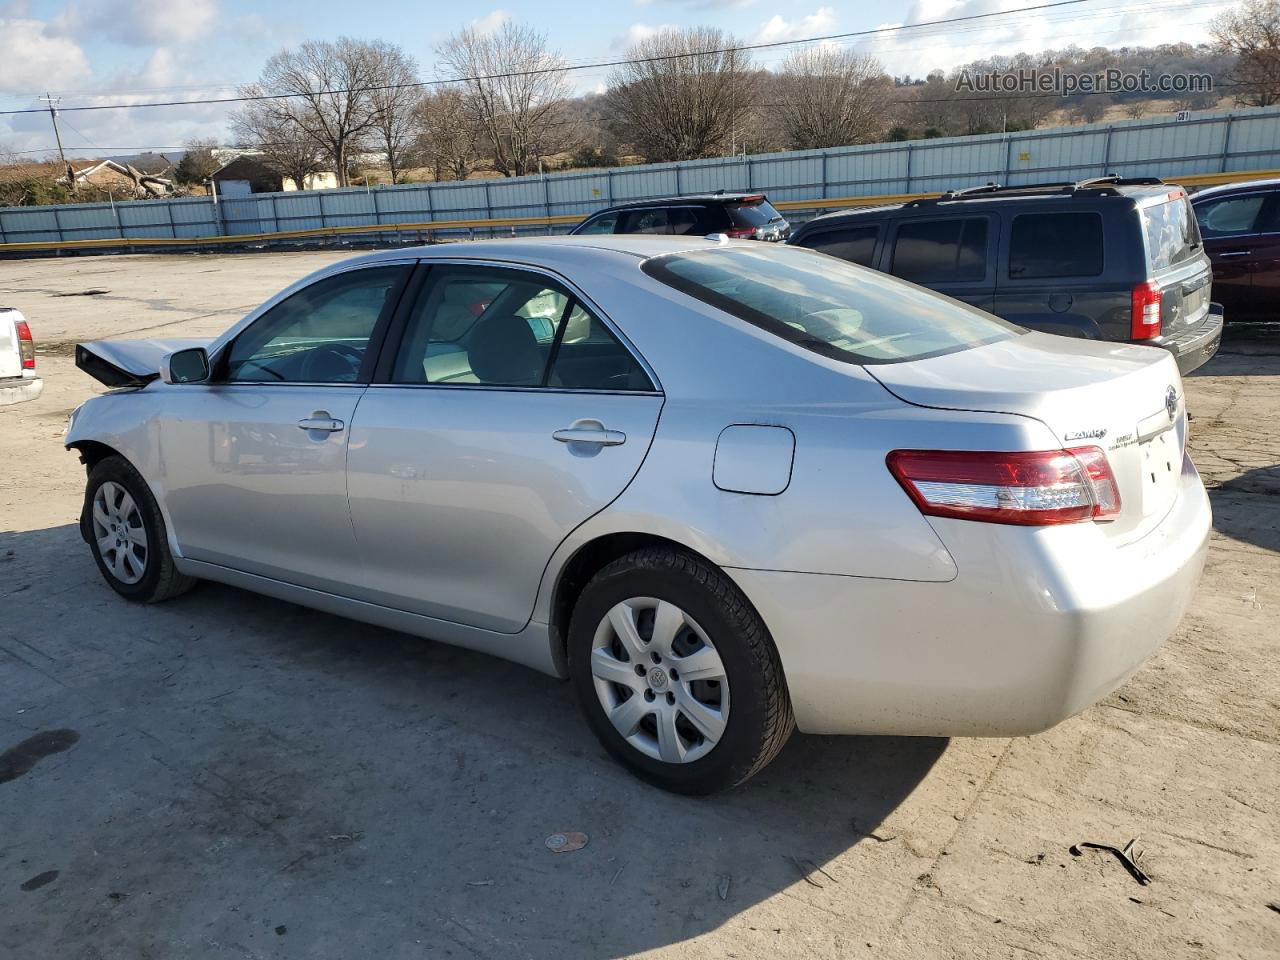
(92, 52)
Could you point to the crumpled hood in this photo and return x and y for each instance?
(129, 363)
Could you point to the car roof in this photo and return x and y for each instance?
(690, 198)
(1240, 186)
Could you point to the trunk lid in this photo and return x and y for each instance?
(128, 363)
(1088, 393)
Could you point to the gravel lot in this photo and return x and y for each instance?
(231, 776)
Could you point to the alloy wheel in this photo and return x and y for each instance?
(660, 680)
(120, 533)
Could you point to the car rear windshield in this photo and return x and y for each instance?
(827, 305)
(1172, 234)
(752, 213)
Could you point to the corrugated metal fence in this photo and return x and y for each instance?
(1207, 143)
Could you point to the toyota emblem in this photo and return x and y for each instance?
(1171, 403)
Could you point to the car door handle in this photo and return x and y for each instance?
(323, 424)
(596, 434)
(1235, 253)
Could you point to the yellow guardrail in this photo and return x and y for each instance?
(827, 203)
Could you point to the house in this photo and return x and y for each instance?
(246, 174)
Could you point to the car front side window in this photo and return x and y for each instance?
(319, 334)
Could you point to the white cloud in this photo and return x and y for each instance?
(821, 22)
(637, 32)
(490, 22)
(140, 23)
(34, 57)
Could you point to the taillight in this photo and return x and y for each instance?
(26, 346)
(1031, 489)
(1144, 315)
(741, 233)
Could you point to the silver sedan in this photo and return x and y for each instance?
(724, 488)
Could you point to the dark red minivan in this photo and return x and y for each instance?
(1240, 225)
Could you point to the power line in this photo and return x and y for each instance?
(773, 44)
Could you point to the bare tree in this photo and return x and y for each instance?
(1135, 109)
(395, 99)
(1252, 32)
(447, 135)
(328, 86)
(682, 94)
(283, 144)
(514, 90)
(198, 161)
(831, 97)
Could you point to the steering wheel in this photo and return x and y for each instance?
(331, 363)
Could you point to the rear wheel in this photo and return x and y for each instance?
(126, 533)
(676, 672)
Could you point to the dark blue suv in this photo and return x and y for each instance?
(1108, 258)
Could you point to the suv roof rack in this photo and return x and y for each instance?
(1094, 187)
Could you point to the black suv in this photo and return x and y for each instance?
(747, 216)
(1109, 258)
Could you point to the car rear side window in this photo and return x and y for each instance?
(855, 244)
(1043, 245)
(509, 328)
(1231, 215)
(832, 308)
(646, 221)
(941, 251)
(1171, 232)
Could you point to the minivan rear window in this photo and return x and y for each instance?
(828, 306)
(1171, 231)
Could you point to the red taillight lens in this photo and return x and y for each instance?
(1144, 316)
(26, 346)
(1030, 489)
(741, 233)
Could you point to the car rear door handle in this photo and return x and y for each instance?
(593, 433)
(1235, 253)
(321, 423)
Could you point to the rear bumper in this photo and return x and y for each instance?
(1195, 347)
(18, 389)
(1039, 624)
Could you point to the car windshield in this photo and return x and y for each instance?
(827, 305)
(1172, 234)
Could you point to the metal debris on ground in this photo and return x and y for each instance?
(1126, 856)
(566, 842)
(807, 869)
(91, 292)
(722, 886)
(479, 883)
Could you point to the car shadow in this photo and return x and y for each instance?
(251, 773)
(1243, 507)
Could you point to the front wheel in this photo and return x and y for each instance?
(677, 673)
(126, 532)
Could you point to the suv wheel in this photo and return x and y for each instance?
(126, 533)
(676, 672)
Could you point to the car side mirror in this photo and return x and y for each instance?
(185, 366)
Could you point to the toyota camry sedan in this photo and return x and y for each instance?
(725, 489)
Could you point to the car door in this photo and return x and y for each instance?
(953, 254)
(255, 459)
(1233, 231)
(509, 412)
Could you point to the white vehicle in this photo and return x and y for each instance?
(18, 380)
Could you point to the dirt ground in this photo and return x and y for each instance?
(231, 776)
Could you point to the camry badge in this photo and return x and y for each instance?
(1171, 403)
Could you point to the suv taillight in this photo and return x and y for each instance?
(1144, 315)
(26, 346)
(741, 233)
(1029, 489)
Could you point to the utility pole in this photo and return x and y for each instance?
(53, 115)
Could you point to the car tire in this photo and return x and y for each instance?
(125, 530)
(692, 736)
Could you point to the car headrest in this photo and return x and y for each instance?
(503, 350)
